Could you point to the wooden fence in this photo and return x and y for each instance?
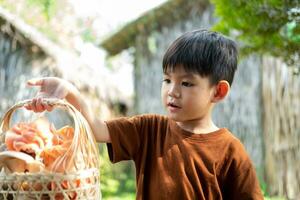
(281, 128)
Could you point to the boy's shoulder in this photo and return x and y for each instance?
(233, 143)
(236, 153)
(149, 117)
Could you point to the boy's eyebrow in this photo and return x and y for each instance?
(187, 75)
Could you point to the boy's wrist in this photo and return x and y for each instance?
(73, 96)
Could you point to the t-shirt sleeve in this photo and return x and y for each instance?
(126, 135)
(241, 180)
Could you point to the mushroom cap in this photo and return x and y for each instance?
(19, 162)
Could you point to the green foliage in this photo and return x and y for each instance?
(273, 198)
(271, 26)
(48, 6)
(117, 180)
(263, 187)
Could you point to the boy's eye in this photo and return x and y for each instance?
(166, 80)
(187, 84)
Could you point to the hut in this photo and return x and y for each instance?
(26, 53)
(262, 108)
(21, 58)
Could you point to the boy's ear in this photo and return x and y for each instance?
(221, 91)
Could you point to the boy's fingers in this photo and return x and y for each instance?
(39, 106)
(28, 106)
(48, 107)
(33, 105)
(35, 82)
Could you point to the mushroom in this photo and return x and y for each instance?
(15, 161)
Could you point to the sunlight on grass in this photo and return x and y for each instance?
(274, 198)
(124, 196)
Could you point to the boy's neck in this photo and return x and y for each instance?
(198, 126)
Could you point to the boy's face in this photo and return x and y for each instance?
(187, 96)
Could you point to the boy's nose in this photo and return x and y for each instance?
(173, 92)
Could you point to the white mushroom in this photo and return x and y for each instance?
(19, 162)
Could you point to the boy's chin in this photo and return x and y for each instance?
(174, 117)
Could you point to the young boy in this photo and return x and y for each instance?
(183, 155)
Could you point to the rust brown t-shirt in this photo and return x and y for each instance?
(172, 163)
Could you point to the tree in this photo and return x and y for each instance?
(264, 26)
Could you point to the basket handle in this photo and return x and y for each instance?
(83, 137)
(54, 102)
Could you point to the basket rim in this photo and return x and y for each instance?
(46, 175)
(82, 130)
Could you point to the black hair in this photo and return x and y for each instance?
(208, 53)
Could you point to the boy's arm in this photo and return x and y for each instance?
(52, 87)
(98, 126)
(243, 185)
(241, 181)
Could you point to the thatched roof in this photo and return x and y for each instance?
(67, 63)
(25, 35)
(33, 41)
(163, 16)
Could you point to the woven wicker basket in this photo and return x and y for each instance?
(80, 181)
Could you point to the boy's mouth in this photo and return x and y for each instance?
(172, 105)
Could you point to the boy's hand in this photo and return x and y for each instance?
(50, 87)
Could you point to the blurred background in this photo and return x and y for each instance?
(112, 51)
